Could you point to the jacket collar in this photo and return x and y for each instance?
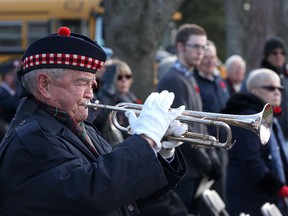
(46, 122)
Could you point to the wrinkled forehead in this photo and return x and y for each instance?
(77, 75)
(210, 51)
(236, 64)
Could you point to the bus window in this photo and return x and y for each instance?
(37, 30)
(74, 25)
(23, 22)
(10, 36)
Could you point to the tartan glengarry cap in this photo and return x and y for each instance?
(64, 50)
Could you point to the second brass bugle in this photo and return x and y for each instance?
(260, 123)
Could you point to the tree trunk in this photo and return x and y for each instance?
(282, 25)
(133, 30)
(247, 30)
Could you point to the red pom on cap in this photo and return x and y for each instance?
(64, 31)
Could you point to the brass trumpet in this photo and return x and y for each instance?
(260, 123)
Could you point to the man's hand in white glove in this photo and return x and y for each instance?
(154, 118)
(175, 129)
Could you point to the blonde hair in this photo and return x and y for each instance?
(121, 67)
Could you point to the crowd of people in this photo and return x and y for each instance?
(249, 174)
(9, 88)
(61, 157)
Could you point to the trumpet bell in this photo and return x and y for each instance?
(260, 123)
(265, 125)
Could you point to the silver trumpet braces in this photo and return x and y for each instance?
(260, 123)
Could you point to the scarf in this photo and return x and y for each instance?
(77, 128)
(280, 160)
(275, 145)
(182, 69)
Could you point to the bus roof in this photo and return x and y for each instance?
(48, 9)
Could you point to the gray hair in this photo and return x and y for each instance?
(29, 80)
(234, 58)
(211, 43)
(257, 76)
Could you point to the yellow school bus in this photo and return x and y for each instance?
(24, 21)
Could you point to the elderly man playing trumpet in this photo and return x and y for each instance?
(54, 163)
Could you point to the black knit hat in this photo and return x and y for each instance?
(272, 44)
(64, 50)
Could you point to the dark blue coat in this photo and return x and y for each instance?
(46, 170)
(214, 94)
(8, 105)
(186, 93)
(251, 181)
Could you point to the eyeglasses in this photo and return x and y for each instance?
(278, 53)
(120, 77)
(272, 88)
(196, 46)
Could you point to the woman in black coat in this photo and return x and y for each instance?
(256, 172)
(116, 84)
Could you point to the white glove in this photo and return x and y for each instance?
(154, 118)
(176, 128)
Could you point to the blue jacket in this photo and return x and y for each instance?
(251, 180)
(214, 94)
(46, 170)
(8, 105)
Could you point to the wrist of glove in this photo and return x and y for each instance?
(155, 117)
(167, 153)
(283, 192)
(176, 129)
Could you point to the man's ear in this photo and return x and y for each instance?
(44, 85)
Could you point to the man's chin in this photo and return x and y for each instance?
(82, 116)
